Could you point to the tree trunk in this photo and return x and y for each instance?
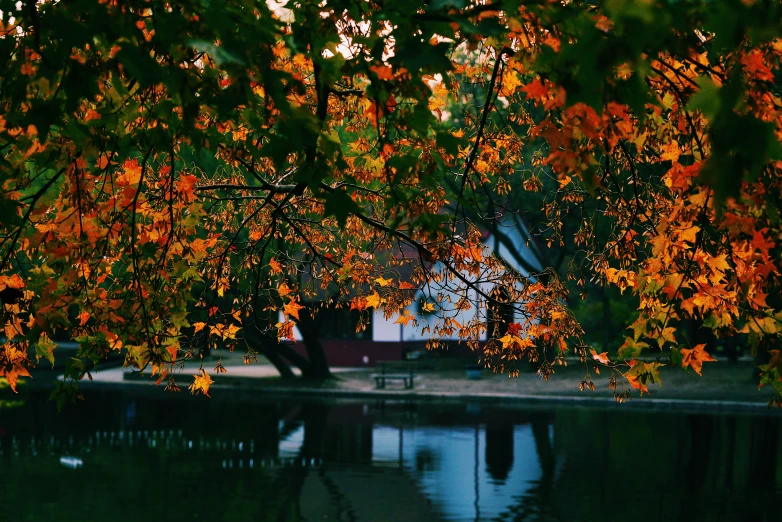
(310, 332)
(280, 355)
(279, 364)
(608, 329)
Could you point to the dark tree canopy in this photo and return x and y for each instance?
(175, 175)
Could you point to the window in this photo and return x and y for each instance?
(341, 323)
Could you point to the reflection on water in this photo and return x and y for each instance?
(124, 457)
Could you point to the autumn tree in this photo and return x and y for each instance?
(175, 175)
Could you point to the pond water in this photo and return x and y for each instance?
(120, 456)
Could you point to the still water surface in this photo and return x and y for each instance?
(121, 457)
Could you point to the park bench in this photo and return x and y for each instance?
(395, 371)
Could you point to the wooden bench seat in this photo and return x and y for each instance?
(403, 371)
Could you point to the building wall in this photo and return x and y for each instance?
(385, 330)
(358, 354)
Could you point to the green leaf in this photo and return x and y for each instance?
(449, 142)
(339, 204)
(139, 64)
(8, 214)
(647, 373)
(632, 349)
(219, 54)
(418, 56)
(707, 99)
(676, 357)
(44, 348)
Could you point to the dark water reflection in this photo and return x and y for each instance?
(241, 458)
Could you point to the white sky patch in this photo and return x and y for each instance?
(278, 7)
(349, 50)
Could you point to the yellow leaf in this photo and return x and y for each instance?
(405, 319)
(201, 383)
(13, 365)
(668, 334)
(224, 331)
(689, 234)
(230, 332)
(718, 266)
(670, 151)
(198, 326)
(510, 83)
(427, 307)
(383, 282)
(512, 341)
(374, 300)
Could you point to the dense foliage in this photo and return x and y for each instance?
(175, 174)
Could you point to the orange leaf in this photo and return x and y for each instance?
(102, 162)
(636, 384)
(759, 241)
(131, 173)
(535, 89)
(358, 303)
(285, 330)
(695, 358)
(13, 281)
(292, 309)
(275, 266)
(186, 186)
(602, 358)
(384, 72)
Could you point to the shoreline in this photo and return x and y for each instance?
(245, 386)
(726, 391)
